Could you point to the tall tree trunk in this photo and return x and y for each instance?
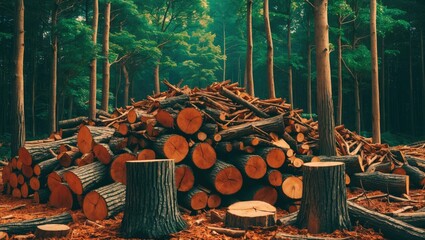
(309, 46)
(127, 84)
(376, 128)
(289, 46)
(156, 78)
(106, 65)
(383, 86)
(249, 70)
(33, 82)
(423, 75)
(71, 107)
(118, 85)
(357, 103)
(18, 114)
(411, 103)
(54, 69)
(224, 51)
(270, 74)
(324, 85)
(339, 109)
(93, 63)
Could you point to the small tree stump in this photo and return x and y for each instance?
(324, 201)
(151, 209)
(48, 231)
(248, 214)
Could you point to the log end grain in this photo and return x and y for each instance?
(247, 214)
(61, 197)
(146, 154)
(228, 181)
(189, 120)
(118, 167)
(94, 206)
(184, 178)
(84, 139)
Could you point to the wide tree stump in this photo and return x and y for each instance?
(104, 202)
(151, 209)
(324, 202)
(247, 214)
(48, 231)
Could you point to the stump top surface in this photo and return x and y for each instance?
(251, 209)
(323, 164)
(53, 227)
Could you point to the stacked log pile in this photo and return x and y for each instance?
(227, 146)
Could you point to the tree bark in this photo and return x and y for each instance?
(411, 102)
(156, 78)
(324, 88)
(249, 68)
(339, 108)
(127, 84)
(157, 196)
(423, 75)
(388, 183)
(93, 63)
(31, 225)
(106, 65)
(324, 202)
(270, 73)
(18, 114)
(309, 46)
(54, 69)
(224, 51)
(376, 119)
(357, 103)
(86, 178)
(289, 47)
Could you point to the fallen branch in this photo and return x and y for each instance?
(228, 232)
(31, 225)
(282, 236)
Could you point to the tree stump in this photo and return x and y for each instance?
(248, 214)
(48, 231)
(324, 201)
(151, 209)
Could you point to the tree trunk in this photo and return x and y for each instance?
(46, 167)
(54, 69)
(383, 87)
(309, 46)
(423, 75)
(34, 79)
(155, 197)
(156, 78)
(86, 178)
(18, 114)
(376, 119)
(93, 64)
(127, 84)
(249, 68)
(357, 104)
(324, 202)
(289, 47)
(411, 102)
(324, 88)
(339, 108)
(270, 74)
(388, 183)
(31, 225)
(106, 65)
(224, 51)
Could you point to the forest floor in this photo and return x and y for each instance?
(109, 229)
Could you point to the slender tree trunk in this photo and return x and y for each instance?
(249, 70)
(357, 103)
(423, 75)
(324, 86)
(106, 65)
(156, 78)
(34, 79)
(127, 84)
(339, 109)
(383, 86)
(289, 46)
(71, 107)
(93, 64)
(376, 128)
(239, 71)
(224, 51)
(118, 86)
(54, 69)
(18, 115)
(411, 103)
(270, 74)
(309, 46)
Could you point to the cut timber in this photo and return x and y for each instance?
(85, 159)
(146, 154)
(103, 153)
(324, 202)
(27, 171)
(47, 231)
(214, 201)
(247, 214)
(275, 157)
(185, 178)
(225, 178)
(62, 197)
(417, 177)
(116, 144)
(166, 117)
(387, 183)
(259, 192)
(16, 193)
(7, 170)
(88, 135)
(223, 148)
(253, 166)
(172, 101)
(203, 155)
(73, 122)
(416, 219)
(416, 162)
(390, 227)
(13, 179)
(86, 178)
(353, 164)
(104, 202)
(25, 190)
(273, 177)
(41, 196)
(4, 236)
(135, 115)
(195, 199)
(189, 120)
(172, 146)
(387, 167)
(286, 236)
(37, 182)
(274, 124)
(230, 95)
(292, 187)
(118, 167)
(56, 177)
(46, 167)
(31, 225)
(67, 158)
(156, 196)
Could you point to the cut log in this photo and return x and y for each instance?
(88, 135)
(116, 144)
(13, 179)
(292, 187)
(259, 192)
(73, 122)
(203, 156)
(252, 166)
(189, 120)
(417, 177)
(273, 177)
(223, 148)
(85, 159)
(225, 178)
(388, 183)
(104, 202)
(290, 140)
(172, 146)
(229, 94)
(209, 128)
(274, 124)
(37, 182)
(146, 154)
(166, 117)
(275, 157)
(27, 171)
(41, 196)
(185, 178)
(86, 178)
(66, 159)
(324, 201)
(123, 129)
(135, 115)
(387, 167)
(46, 167)
(16, 193)
(26, 190)
(172, 101)
(62, 197)
(56, 177)
(47, 231)
(390, 227)
(416, 162)
(157, 195)
(195, 199)
(353, 163)
(26, 226)
(118, 167)
(416, 219)
(7, 170)
(247, 214)
(214, 201)
(103, 153)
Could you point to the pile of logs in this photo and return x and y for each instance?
(227, 146)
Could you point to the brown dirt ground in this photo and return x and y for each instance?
(197, 224)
